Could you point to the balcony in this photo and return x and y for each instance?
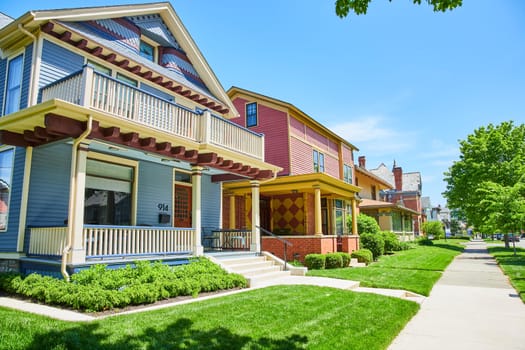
(102, 93)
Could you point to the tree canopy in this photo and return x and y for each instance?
(360, 7)
(487, 178)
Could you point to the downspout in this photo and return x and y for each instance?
(32, 36)
(72, 195)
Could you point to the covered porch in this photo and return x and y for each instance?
(310, 210)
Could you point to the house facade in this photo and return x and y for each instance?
(406, 191)
(115, 140)
(390, 216)
(312, 196)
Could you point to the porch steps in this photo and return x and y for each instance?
(355, 263)
(253, 267)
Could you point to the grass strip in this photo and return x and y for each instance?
(512, 265)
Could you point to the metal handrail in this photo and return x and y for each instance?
(285, 242)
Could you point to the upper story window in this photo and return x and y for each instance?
(147, 51)
(99, 68)
(6, 177)
(347, 174)
(318, 161)
(251, 114)
(14, 85)
(373, 192)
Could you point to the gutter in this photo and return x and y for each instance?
(72, 195)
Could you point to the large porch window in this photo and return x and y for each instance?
(6, 177)
(108, 196)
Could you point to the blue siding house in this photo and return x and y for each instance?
(115, 140)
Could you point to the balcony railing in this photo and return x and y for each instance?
(103, 93)
(115, 241)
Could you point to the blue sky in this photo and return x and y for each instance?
(401, 83)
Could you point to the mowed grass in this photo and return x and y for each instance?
(415, 270)
(512, 266)
(280, 317)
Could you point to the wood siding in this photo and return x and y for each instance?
(211, 198)
(155, 186)
(57, 62)
(26, 77)
(302, 158)
(274, 125)
(3, 67)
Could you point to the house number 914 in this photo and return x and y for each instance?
(163, 207)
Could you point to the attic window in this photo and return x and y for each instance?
(147, 51)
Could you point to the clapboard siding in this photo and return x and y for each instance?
(57, 62)
(9, 238)
(155, 186)
(302, 157)
(211, 200)
(26, 77)
(3, 67)
(49, 186)
(274, 125)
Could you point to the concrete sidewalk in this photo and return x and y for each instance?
(472, 306)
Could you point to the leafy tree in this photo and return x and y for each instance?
(433, 228)
(455, 227)
(503, 207)
(492, 154)
(365, 224)
(359, 7)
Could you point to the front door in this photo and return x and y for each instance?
(182, 206)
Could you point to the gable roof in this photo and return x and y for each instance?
(233, 91)
(193, 73)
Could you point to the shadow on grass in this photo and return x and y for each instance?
(178, 335)
(448, 246)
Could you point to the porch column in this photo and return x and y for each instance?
(76, 206)
(354, 216)
(256, 218)
(317, 210)
(196, 195)
(232, 212)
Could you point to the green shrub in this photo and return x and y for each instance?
(333, 261)
(362, 256)
(374, 243)
(433, 228)
(365, 224)
(392, 243)
(425, 241)
(99, 288)
(346, 258)
(315, 261)
(405, 245)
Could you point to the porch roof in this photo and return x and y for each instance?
(374, 204)
(55, 120)
(299, 183)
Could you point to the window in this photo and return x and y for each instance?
(6, 177)
(339, 217)
(108, 196)
(318, 162)
(373, 192)
(99, 68)
(147, 51)
(127, 80)
(347, 174)
(251, 114)
(14, 85)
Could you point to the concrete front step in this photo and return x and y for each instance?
(355, 263)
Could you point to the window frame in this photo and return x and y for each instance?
(8, 203)
(347, 174)
(154, 47)
(19, 55)
(248, 115)
(318, 161)
(134, 183)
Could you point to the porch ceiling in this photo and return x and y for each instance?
(300, 183)
(56, 120)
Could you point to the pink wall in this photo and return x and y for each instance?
(274, 125)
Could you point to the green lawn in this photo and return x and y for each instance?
(415, 270)
(513, 266)
(281, 317)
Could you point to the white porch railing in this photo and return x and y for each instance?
(105, 241)
(111, 241)
(103, 93)
(49, 241)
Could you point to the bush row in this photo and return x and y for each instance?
(382, 242)
(327, 261)
(99, 288)
(363, 256)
